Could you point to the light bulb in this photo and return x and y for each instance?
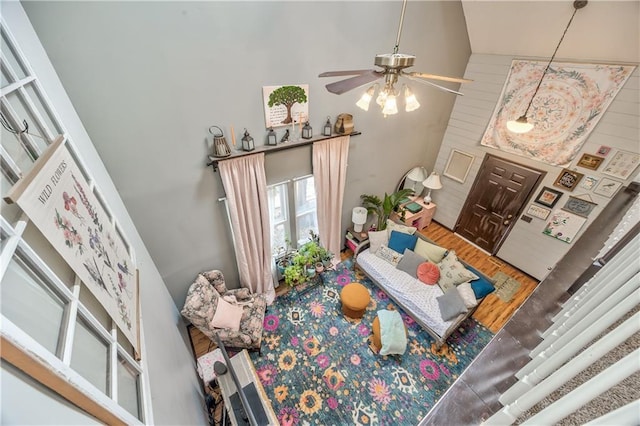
(382, 97)
(410, 101)
(390, 105)
(521, 125)
(365, 100)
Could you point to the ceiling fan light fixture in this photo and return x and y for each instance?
(390, 105)
(410, 101)
(382, 97)
(365, 100)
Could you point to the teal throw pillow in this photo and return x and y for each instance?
(399, 241)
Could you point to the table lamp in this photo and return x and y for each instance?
(359, 218)
(432, 182)
(417, 174)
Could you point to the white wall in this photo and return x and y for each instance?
(526, 247)
(175, 390)
(149, 78)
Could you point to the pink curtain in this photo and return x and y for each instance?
(245, 185)
(330, 173)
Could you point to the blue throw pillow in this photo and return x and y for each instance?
(481, 288)
(399, 241)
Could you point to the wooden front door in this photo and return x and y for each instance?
(497, 197)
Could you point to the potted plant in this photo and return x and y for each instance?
(383, 208)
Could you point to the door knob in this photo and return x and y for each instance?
(509, 216)
(506, 222)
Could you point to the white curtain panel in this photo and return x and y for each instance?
(245, 185)
(330, 172)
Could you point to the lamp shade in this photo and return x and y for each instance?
(432, 182)
(359, 218)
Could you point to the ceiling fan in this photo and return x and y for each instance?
(393, 65)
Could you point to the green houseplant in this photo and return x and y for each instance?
(304, 261)
(383, 208)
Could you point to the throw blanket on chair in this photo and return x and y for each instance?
(392, 333)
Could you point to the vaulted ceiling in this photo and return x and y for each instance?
(603, 31)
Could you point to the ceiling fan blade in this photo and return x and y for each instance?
(342, 86)
(340, 73)
(438, 77)
(408, 75)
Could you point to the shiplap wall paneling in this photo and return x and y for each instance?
(619, 128)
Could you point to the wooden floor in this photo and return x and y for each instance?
(493, 313)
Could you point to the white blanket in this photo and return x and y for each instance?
(417, 299)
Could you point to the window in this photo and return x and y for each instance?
(302, 207)
(46, 311)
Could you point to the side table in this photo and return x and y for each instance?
(355, 240)
(420, 219)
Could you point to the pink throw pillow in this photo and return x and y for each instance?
(227, 315)
(428, 273)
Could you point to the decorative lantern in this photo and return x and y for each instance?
(271, 137)
(307, 131)
(326, 130)
(247, 142)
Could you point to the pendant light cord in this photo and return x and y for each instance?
(577, 6)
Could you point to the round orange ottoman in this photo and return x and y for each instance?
(355, 298)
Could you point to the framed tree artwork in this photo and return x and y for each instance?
(548, 197)
(286, 105)
(568, 179)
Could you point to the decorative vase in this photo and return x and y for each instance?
(319, 267)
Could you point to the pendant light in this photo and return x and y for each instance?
(521, 124)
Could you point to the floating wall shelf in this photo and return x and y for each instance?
(213, 161)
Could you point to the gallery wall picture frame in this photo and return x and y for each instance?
(603, 150)
(538, 212)
(622, 164)
(564, 225)
(579, 206)
(548, 197)
(589, 182)
(568, 179)
(458, 165)
(590, 161)
(607, 187)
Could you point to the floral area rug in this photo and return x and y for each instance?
(317, 368)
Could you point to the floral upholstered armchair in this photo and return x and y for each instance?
(236, 316)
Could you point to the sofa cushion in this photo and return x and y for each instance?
(393, 226)
(227, 316)
(431, 251)
(399, 241)
(452, 272)
(377, 239)
(451, 304)
(468, 295)
(428, 273)
(410, 262)
(482, 288)
(389, 255)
